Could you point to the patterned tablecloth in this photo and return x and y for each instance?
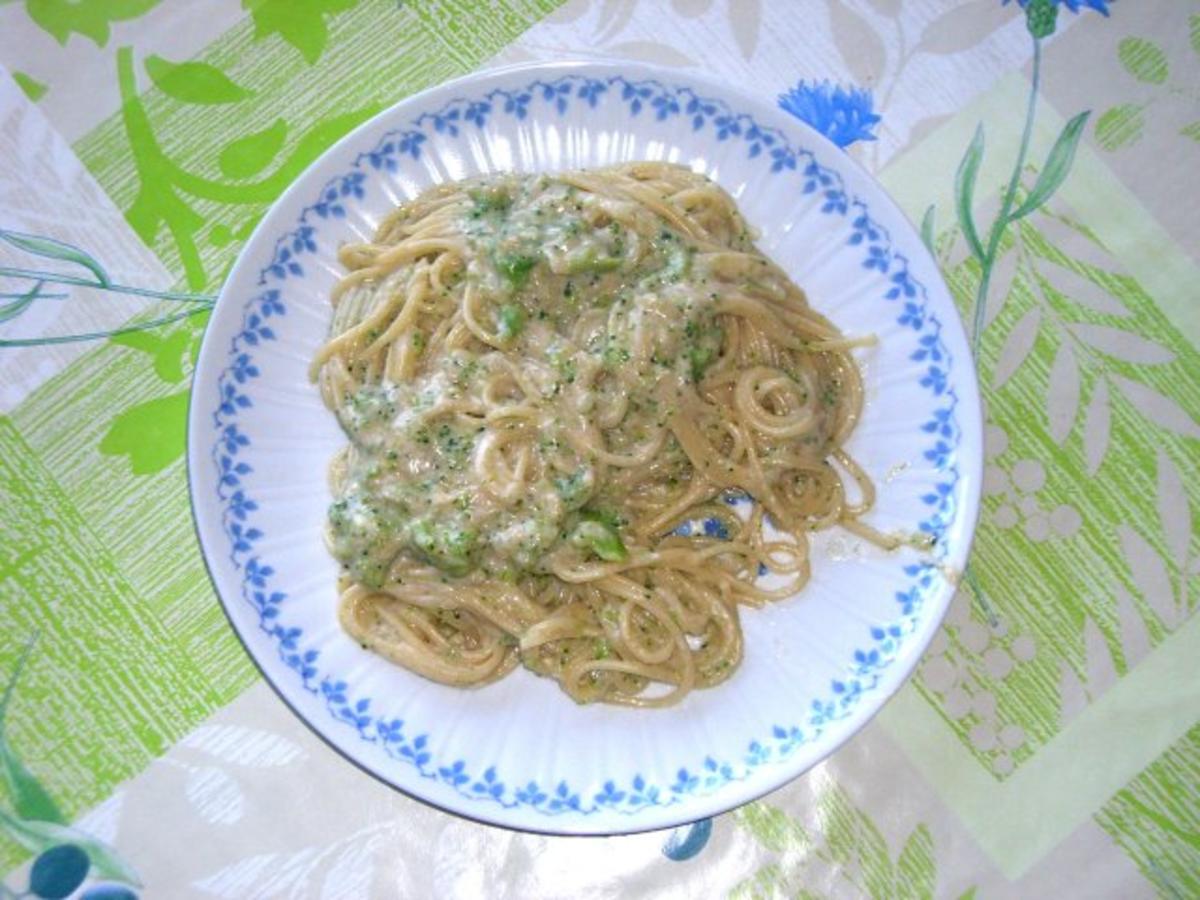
(1049, 744)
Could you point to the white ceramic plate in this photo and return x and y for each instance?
(520, 753)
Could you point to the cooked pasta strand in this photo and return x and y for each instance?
(552, 385)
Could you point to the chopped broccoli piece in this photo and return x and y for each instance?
(515, 267)
(490, 200)
(511, 320)
(600, 538)
(590, 261)
(447, 546)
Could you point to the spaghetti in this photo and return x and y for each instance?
(547, 382)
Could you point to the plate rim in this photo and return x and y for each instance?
(727, 796)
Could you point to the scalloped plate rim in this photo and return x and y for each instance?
(733, 792)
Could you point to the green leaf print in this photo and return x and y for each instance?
(34, 89)
(1124, 125)
(169, 352)
(49, 248)
(89, 18)
(249, 155)
(927, 230)
(964, 192)
(1058, 164)
(97, 335)
(36, 822)
(772, 827)
(151, 434)
(1143, 59)
(193, 82)
(1156, 820)
(1103, 389)
(24, 791)
(20, 303)
(916, 872)
(855, 843)
(168, 361)
(768, 882)
(1120, 126)
(166, 190)
(299, 22)
(842, 853)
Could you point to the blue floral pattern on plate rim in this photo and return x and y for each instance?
(768, 146)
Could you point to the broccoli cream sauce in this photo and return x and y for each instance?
(599, 326)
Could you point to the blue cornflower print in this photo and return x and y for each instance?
(844, 115)
(1100, 6)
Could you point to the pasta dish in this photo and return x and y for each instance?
(588, 422)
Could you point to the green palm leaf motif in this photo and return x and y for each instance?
(1083, 378)
(1093, 385)
(1157, 822)
(1040, 18)
(844, 844)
